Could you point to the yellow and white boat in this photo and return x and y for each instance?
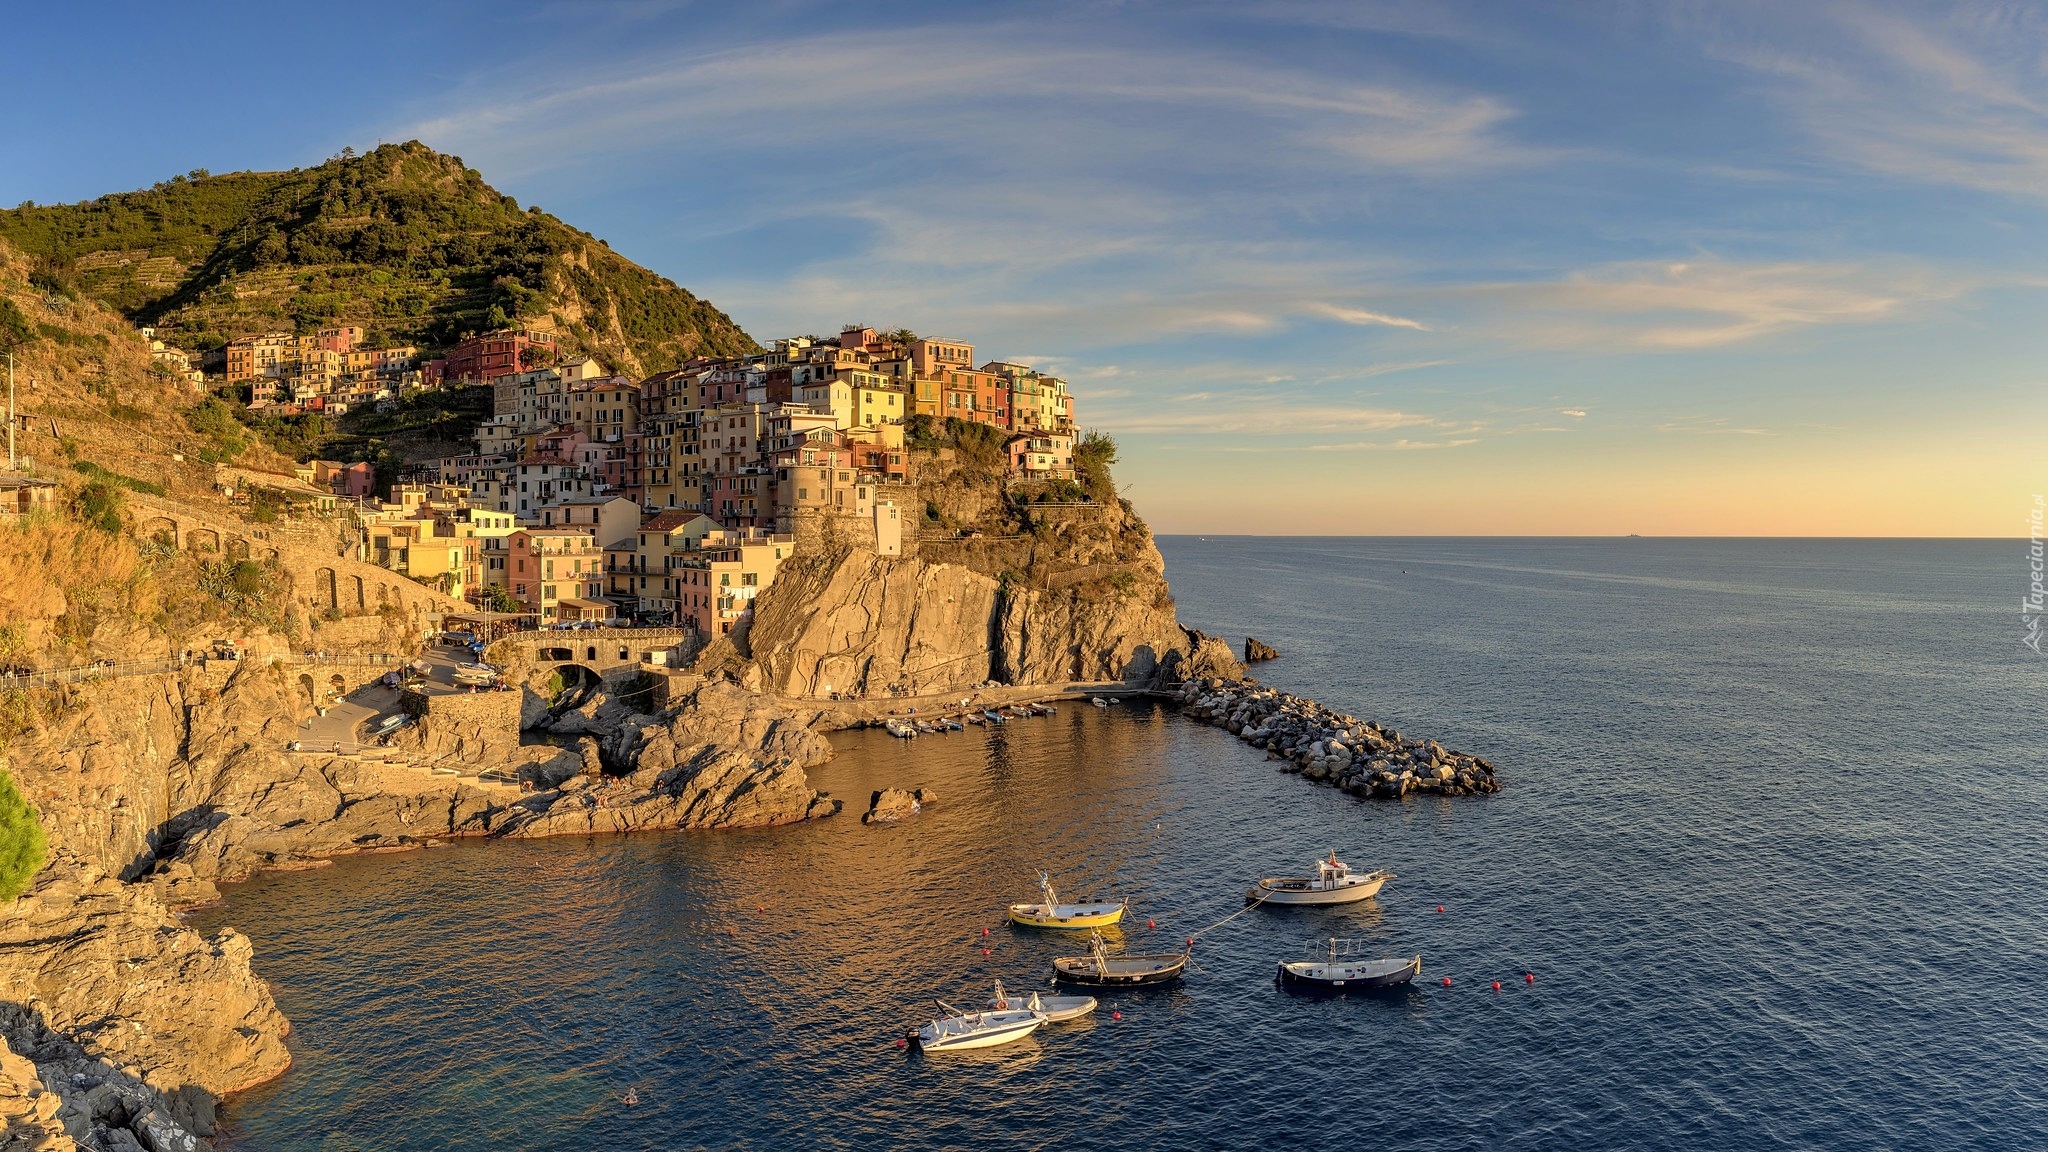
(1050, 913)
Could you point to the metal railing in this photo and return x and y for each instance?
(117, 669)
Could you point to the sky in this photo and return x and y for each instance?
(1353, 268)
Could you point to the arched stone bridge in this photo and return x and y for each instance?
(612, 653)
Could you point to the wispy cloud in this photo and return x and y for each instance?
(1391, 446)
(1958, 97)
(1364, 316)
(1704, 303)
(1575, 413)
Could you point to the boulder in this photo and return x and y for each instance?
(1256, 651)
(889, 805)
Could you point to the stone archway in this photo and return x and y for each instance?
(578, 685)
(202, 540)
(555, 654)
(323, 589)
(337, 687)
(238, 548)
(306, 685)
(361, 604)
(159, 528)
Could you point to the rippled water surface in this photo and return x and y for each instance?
(1772, 843)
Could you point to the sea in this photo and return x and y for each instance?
(1769, 870)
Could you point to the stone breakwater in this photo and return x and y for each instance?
(1328, 747)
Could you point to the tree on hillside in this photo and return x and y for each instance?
(15, 329)
(22, 844)
(1093, 454)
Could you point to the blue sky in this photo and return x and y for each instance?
(1404, 268)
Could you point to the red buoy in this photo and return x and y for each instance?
(1528, 977)
(1496, 985)
(1439, 907)
(984, 931)
(1151, 924)
(1116, 1015)
(760, 908)
(986, 952)
(1191, 941)
(900, 1042)
(1447, 981)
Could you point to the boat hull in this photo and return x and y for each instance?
(1066, 915)
(947, 1038)
(1057, 1009)
(1308, 893)
(1122, 972)
(1345, 977)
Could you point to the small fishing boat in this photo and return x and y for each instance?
(902, 729)
(1050, 913)
(1098, 701)
(952, 725)
(1057, 1009)
(992, 716)
(1337, 964)
(1123, 970)
(963, 1030)
(1333, 883)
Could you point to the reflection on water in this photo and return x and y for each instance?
(1700, 849)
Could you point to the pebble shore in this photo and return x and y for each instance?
(1328, 747)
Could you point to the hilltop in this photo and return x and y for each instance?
(405, 241)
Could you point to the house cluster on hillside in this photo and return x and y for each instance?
(676, 497)
(330, 370)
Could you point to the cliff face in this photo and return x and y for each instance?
(134, 1022)
(1035, 594)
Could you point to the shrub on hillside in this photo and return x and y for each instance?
(22, 844)
(99, 505)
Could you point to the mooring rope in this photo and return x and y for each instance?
(1192, 936)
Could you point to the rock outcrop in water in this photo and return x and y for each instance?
(726, 758)
(1358, 756)
(134, 1022)
(1258, 651)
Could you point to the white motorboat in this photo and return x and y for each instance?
(1056, 1009)
(963, 1030)
(901, 729)
(1333, 883)
(1099, 702)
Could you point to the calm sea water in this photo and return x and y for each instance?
(1772, 843)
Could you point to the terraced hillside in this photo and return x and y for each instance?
(403, 240)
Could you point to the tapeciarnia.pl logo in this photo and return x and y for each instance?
(2037, 596)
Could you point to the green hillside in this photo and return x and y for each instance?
(402, 240)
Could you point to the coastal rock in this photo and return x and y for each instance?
(726, 759)
(113, 999)
(854, 623)
(1258, 651)
(1359, 757)
(891, 804)
(28, 1108)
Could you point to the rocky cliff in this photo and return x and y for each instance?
(999, 584)
(135, 1023)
